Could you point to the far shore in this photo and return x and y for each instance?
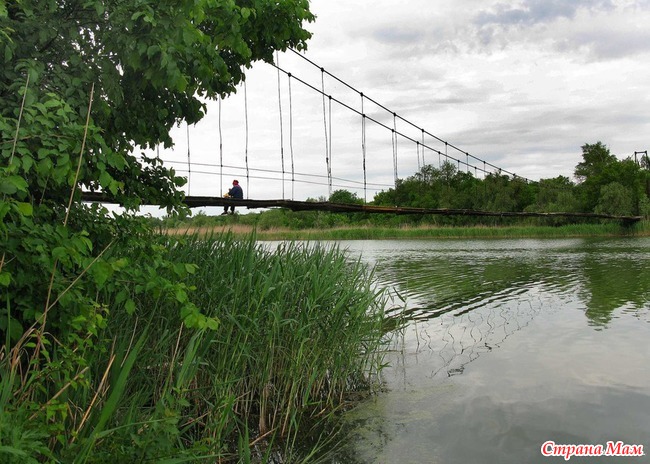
(423, 232)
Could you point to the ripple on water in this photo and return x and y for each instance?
(509, 343)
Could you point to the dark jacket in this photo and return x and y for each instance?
(236, 192)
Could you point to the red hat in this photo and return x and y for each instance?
(235, 182)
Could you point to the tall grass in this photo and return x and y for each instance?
(381, 232)
(300, 327)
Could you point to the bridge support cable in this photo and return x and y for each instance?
(446, 157)
(237, 171)
(377, 122)
(423, 145)
(327, 146)
(329, 168)
(394, 135)
(448, 145)
(277, 60)
(293, 177)
(246, 141)
(363, 148)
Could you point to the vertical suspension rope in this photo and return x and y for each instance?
(189, 164)
(246, 144)
(417, 154)
(395, 148)
(220, 150)
(446, 154)
(291, 137)
(277, 58)
(327, 156)
(484, 178)
(423, 162)
(329, 169)
(363, 149)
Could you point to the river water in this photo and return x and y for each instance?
(509, 344)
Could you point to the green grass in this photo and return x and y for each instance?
(406, 232)
(300, 328)
(286, 225)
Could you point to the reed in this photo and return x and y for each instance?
(428, 231)
(300, 328)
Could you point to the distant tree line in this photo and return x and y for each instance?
(603, 184)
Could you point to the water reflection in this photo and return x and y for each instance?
(443, 276)
(498, 355)
(615, 276)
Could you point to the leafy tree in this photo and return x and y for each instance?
(600, 169)
(83, 84)
(592, 173)
(496, 194)
(345, 197)
(554, 196)
(151, 62)
(595, 159)
(615, 199)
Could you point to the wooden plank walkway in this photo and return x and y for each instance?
(200, 201)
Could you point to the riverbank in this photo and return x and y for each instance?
(414, 232)
(225, 351)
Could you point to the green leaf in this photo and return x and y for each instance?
(121, 296)
(12, 327)
(191, 320)
(12, 184)
(181, 296)
(27, 162)
(5, 278)
(180, 270)
(129, 306)
(101, 272)
(105, 179)
(59, 252)
(120, 263)
(26, 209)
(87, 243)
(212, 323)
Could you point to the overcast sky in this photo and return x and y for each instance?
(519, 84)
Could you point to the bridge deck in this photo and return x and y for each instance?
(201, 201)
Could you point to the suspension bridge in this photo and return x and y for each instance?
(321, 134)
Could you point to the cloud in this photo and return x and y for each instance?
(603, 37)
(590, 30)
(522, 84)
(400, 35)
(531, 12)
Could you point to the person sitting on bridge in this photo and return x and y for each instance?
(235, 192)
